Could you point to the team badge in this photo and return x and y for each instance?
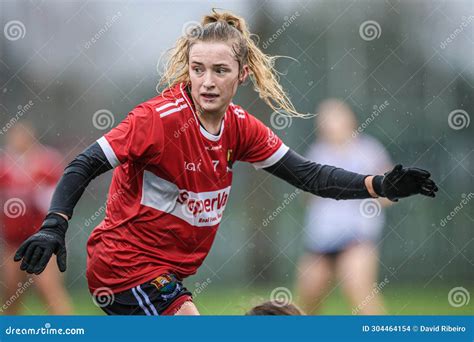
(162, 282)
(229, 159)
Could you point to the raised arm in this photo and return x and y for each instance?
(333, 182)
(38, 248)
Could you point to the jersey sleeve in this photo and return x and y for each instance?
(259, 145)
(138, 138)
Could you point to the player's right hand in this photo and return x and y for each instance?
(38, 248)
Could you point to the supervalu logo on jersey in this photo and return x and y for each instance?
(199, 209)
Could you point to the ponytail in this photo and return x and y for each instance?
(227, 27)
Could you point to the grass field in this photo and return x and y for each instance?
(414, 300)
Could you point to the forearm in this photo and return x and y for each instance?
(322, 180)
(76, 177)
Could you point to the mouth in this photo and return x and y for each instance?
(209, 96)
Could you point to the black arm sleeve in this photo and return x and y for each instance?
(77, 175)
(322, 180)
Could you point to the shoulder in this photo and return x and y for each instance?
(316, 148)
(369, 142)
(374, 149)
(237, 112)
(241, 117)
(171, 101)
(249, 127)
(246, 125)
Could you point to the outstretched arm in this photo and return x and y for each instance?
(332, 182)
(38, 248)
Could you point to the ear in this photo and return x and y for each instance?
(244, 73)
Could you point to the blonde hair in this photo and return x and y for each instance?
(229, 27)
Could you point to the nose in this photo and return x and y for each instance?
(208, 82)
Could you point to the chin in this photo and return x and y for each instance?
(213, 109)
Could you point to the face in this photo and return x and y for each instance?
(20, 138)
(335, 122)
(214, 75)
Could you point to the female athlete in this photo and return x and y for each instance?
(173, 157)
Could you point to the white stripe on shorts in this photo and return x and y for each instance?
(140, 302)
(147, 300)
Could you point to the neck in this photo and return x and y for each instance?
(211, 121)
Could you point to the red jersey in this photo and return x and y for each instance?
(169, 189)
(27, 183)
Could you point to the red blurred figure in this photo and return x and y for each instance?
(29, 172)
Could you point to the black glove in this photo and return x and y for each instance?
(404, 182)
(38, 248)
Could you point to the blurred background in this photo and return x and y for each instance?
(406, 68)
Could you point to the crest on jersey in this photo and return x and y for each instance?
(230, 162)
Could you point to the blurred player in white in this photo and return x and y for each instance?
(29, 172)
(341, 237)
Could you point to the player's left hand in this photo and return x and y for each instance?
(405, 181)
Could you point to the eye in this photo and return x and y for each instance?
(221, 70)
(197, 69)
